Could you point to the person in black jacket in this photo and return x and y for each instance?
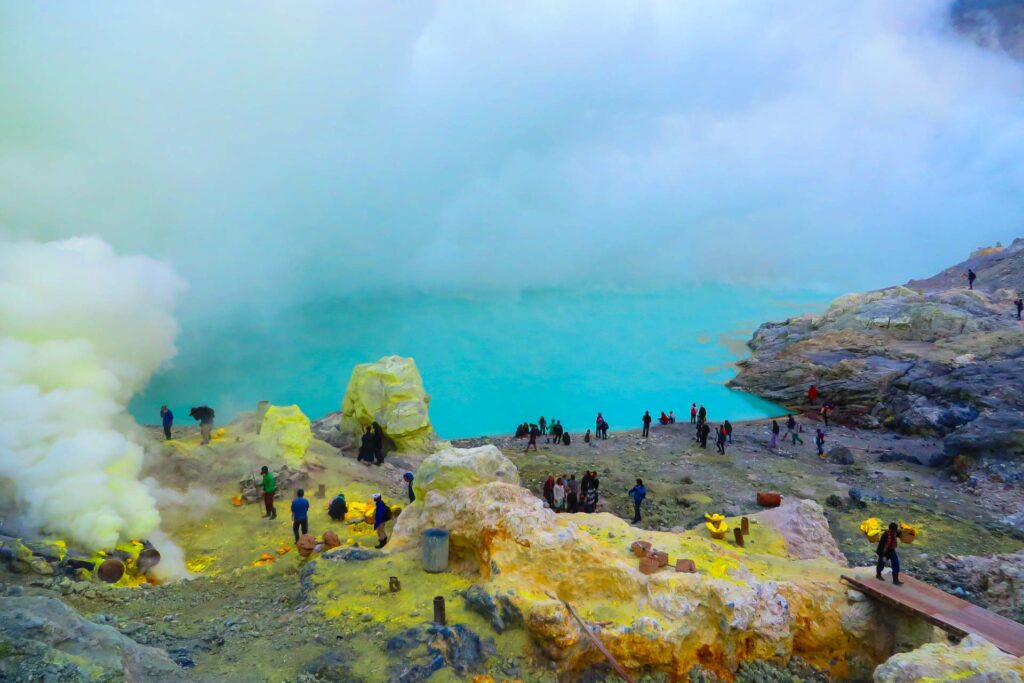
(338, 508)
(378, 443)
(705, 430)
(366, 446)
(647, 423)
(887, 551)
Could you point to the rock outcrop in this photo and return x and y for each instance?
(389, 392)
(757, 602)
(44, 639)
(996, 582)
(288, 430)
(930, 357)
(974, 659)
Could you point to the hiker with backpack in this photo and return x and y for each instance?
(204, 416)
(381, 516)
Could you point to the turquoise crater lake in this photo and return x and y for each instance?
(489, 362)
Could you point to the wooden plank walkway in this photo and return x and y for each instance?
(948, 612)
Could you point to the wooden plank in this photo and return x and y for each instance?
(946, 611)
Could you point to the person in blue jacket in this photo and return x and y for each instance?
(300, 514)
(167, 419)
(381, 516)
(408, 480)
(638, 493)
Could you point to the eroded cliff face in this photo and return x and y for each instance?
(777, 597)
(930, 357)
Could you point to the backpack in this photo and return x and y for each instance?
(388, 515)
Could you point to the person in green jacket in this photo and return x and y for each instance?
(269, 489)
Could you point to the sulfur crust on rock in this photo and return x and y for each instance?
(974, 659)
(389, 392)
(755, 602)
(288, 429)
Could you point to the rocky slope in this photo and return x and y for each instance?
(930, 357)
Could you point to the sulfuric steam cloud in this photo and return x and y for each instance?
(81, 330)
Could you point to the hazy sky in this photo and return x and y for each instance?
(296, 148)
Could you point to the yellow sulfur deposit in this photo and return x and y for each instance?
(287, 428)
(872, 529)
(716, 525)
(909, 533)
(761, 601)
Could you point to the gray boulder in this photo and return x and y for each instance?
(840, 455)
(42, 639)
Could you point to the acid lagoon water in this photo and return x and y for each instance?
(488, 362)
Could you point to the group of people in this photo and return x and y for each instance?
(202, 414)
(532, 432)
(371, 446)
(568, 494)
(703, 429)
(337, 509)
(793, 431)
(662, 419)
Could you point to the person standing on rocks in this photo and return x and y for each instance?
(637, 493)
(693, 413)
(167, 417)
(558, 495)
(572, 494)
(300, 514)
(971, 277)
(819, 441)
(671, 417)
(590, 498)
(408, 482)
(366, 446)
(381, 517)
(705, 431)
(775, 434)
(1019, 303)
(826, 410)
(534, 433)
(702, 414)
(204, 416)
(887, 551)
(269, 485)
(791, 430)
(543, 424)
(586, 437)
(647, 423)
(728, 430)
(378, 444)
(549, 491)
(720, 439)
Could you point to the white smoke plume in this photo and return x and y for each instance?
(81, 330)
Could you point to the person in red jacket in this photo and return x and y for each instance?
(812, 394)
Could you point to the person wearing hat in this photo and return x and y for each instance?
(381, 515)
(338, 508)
(408, 481)
(269, 489)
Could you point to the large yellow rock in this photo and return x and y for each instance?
(453, 468)
(777, 597)
(287, 429)
(974, 659)
(389, 392)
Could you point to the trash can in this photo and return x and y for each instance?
(435, 550)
